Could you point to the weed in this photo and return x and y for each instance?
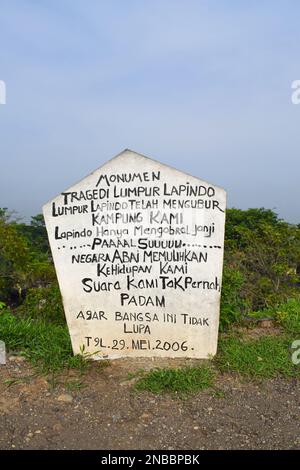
(135, 374)
(74, 385)
(217, 393)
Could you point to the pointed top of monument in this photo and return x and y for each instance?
(136, 162)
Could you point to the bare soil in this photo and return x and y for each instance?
(105, 412)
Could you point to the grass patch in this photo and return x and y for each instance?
(10, 382)
(137, 373)
(286, 315)
(46, 345)
(265, 357)
(182, 381)
(74, 385)
(218, 393)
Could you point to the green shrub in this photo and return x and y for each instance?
(288, 315)
(22, 264)
(266, 251)
(232, 303)
(14, 260)
(44, 303)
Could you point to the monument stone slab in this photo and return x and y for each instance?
(138, 252)
(2, 353)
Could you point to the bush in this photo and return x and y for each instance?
(261, 265)
(286, 314)
(44, 303)
(14, 260)
(232, 302)
(266, 252)
(22, 264)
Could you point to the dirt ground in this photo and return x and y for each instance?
(105, 412)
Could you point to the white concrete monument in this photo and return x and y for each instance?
(2, 353)
(138, 251)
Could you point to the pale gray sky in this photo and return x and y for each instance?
(204, 86)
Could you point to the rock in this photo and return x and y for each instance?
(266, 324)
(57, 427)
(21, 359)
(116, 418)
(12, 358)
(16, 358)
(65, 398)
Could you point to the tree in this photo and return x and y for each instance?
(24, 260)
(36, 234)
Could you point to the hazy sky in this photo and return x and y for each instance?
(204, 86)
